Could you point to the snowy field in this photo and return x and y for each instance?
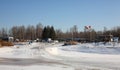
(48, 56)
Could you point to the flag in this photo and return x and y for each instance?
(87, 27)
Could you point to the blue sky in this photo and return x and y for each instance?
(62, 14)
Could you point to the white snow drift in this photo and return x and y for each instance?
(81, 56)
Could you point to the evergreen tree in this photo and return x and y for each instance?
(44, 33)
(52, 33)
(48, 32)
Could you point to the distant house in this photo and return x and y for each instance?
(106, 38)
(73, 39)
(47, 40)
(115, 39)
(9, 39)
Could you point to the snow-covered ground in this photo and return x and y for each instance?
(85, 56)
(34, 67)
(44, 56)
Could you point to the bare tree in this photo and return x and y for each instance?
(39, 28)
(21, 32)
(14, 31)
(0, 33)
(30, 32)
(74, 32)
(4, 32)
(59, 33)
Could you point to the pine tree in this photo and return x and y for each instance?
(52, 33)
(44, 33)
(48, 32)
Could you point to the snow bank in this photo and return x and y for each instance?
(20, 51)
(53, 51)
(5, 50)
(36, 67)
(86, 52)
(92, 48)
(87, 56)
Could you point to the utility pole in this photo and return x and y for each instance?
(71, 29)
(88, 29)
(72, 35)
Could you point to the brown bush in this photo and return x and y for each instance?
(0, 45)
(71, 43)
(5, 43)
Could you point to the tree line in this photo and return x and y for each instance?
(23, 33)
(32, 32)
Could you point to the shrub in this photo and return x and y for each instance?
(70, 43)
(5, 43)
